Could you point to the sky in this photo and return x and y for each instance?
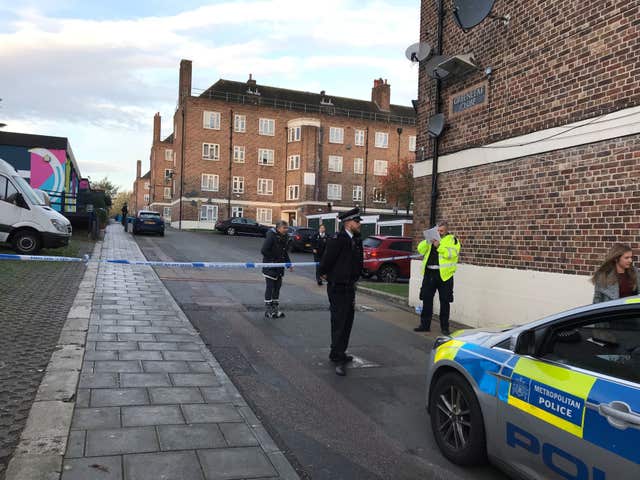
(97, 71)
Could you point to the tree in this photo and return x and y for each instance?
(398, 184)
(119, 200)
(107, 185)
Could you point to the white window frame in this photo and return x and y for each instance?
(237, 212)
(147, 185)
(380, 168)
(294, 134)
(207, 148)
(293, 192)
(207, 217)
(239, 153)
(166, 212)
(359, 138)
(168, 155)
(336, 135)
(358, 166)
(294, 162)
(237, 184)
(270, 154)
(209, 182)
(168, 172)
(334, 191)
(382, 140)
(264, 215)
(211, 120)
(412, 143)
(357, 194)
(239, 123)
(335, 163)
(265, 186)
(267, 126)
(167, 193)
(146, 197)
(376, 195)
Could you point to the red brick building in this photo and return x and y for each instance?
(140, 195)
(539, 164)
(245, 149)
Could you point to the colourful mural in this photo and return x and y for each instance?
(48, 169)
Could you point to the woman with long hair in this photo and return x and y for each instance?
(616, 277)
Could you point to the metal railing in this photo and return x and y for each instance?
(323, 109)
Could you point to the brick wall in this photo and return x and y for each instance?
(556, 62)
(557, 212)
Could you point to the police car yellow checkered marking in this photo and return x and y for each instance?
(448, 350)
(552, 394)
(632, 300)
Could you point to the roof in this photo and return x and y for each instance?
(169, 139)
(146, 175)
(309, 102)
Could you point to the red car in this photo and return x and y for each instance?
(381, 247)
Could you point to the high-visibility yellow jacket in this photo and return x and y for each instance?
(448, 253)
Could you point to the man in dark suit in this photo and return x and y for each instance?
(319, 246)
(341, 265)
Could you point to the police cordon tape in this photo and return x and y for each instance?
(150, 263)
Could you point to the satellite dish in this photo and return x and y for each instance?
(418, 52)
(469, 13)
(433, 69)
(436, 125)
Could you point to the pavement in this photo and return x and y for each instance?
(35, 300)
(371, 424)
(151, 401)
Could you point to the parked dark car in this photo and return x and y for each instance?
(381, 247)
(302, 238)
(148, 222)
(241, 226)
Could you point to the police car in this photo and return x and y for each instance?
(558, 398)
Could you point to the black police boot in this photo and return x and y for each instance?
(269, 310)
(276, 310)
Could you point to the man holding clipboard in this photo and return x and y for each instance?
(441, 251)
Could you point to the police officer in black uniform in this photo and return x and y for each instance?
(341, 265)
(275, 249)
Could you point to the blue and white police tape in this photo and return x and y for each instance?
(150, 263)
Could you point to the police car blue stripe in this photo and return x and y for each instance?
(478, 363)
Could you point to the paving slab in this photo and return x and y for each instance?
(94, 468)
(235, 464)
(121, 440)
(96, 418)
(116, 397)
(175, 395)
(167, 465)
(191, 436)
(211, 413)
(151, 415)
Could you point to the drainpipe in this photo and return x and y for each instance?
(366, 170)
(230, 182)
(436, 141)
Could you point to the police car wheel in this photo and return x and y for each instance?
(456, 420)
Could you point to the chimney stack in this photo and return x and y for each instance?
(381, 94)
(184, 86)
(251, 82)
(138, 169)
(157, 124)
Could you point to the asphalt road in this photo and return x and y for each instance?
(371, 424)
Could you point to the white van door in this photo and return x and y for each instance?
(10, 213)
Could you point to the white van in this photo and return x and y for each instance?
(25, 222)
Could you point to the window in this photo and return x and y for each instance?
(264, 215)
(357, 193)
(238, 154)
(7, 191)
(358, 165)
(237, 212)
(210, 183)
(265, 186)
(167, 192)
(336, 135)
(334, 191)
(607, 345)
(295, 133)
(379, 196)
(382, 140)
(147, 185)
(400, 246)
(359, 138)
(168, 173)
(146, 198)
(412, 143)
(267, 126)
(293, 192)
(265, 156)
(238, 184)
(240, 123)
(335, 163)
(211, 120)
(211, 151)
(294, 162)
(380, 168)
(208, 213)
(168, 155)
(166, 212)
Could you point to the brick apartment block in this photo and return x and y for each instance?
(141, 194)
(241, 148)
